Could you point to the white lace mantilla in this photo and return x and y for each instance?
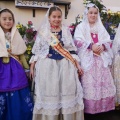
(85, 54)
(41, 46)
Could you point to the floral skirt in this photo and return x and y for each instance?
(16, 105)
(58, 90)
(98, 88)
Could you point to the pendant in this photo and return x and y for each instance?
(94, 35)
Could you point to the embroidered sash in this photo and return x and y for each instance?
(56, 45)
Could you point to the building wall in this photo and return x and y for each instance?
(114, 3)
(77, 7)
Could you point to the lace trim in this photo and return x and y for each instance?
(58, 111)
(53, 106)
(39, 104)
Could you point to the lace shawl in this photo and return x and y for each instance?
(83, 36)
(42, 43)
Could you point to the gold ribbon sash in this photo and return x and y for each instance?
(55, 43)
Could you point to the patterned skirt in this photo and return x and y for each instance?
(98, 88)
(16, 105)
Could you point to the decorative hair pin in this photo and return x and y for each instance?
(89, 5)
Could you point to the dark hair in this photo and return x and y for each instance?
(54, 8)
(9, 11)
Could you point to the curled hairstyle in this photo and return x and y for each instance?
(54, 8)
(9, 11)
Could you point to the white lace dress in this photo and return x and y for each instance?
(58, 90)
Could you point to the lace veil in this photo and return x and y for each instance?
(43, 38)
(45, 30)
(83, 35)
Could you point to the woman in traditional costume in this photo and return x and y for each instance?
(15, 98)
(93, 43)
(59, 94)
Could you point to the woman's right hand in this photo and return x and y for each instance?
(32, 70)
(80, 71)
(95, 48)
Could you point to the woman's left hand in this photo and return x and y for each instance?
(101, 48)
(80, 71)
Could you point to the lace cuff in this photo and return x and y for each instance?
(33, 59)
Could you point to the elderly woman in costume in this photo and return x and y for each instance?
(93, 43)
(15, 99)
(59, 94)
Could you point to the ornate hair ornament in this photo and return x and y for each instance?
(89, 5)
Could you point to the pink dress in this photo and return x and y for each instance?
(98, 86)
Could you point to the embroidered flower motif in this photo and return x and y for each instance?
(2, 103)
(2, 100)
(29, 101)
(12, 94)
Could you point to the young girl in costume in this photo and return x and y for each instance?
(93, 43)
(59, 94)
(116, 65)
(15, 98)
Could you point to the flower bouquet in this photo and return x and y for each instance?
(72, 27)
(28, 33)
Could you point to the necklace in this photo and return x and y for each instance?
(55, 30)
(8, 40)
(55, 27)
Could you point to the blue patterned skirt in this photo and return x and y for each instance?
(16, 105)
